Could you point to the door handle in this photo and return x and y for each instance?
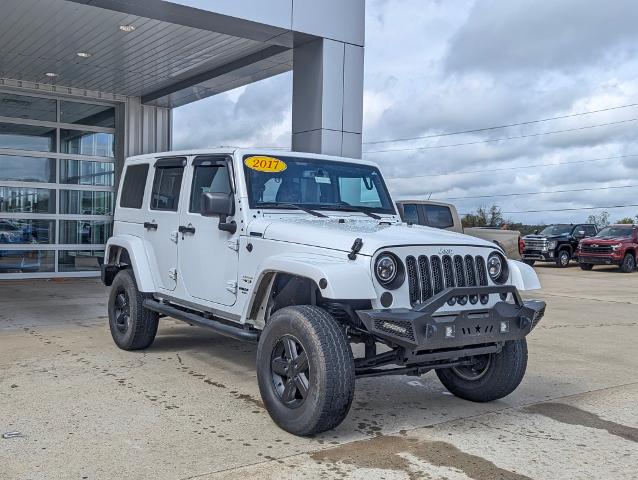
(182, 229)
(150, 226)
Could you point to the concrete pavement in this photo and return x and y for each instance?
(189, 406)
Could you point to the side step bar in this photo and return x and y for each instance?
(231, 331)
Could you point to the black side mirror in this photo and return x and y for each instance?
(222, 204)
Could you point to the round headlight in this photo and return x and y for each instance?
(497, 268)
(389, 270)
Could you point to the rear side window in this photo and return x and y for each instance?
(410, 213)
(208, 179)
(167, 185)
(438, 216)
(133, 186)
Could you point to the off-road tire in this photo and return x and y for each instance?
(505, 372)
(139, 331)
(529, 262)
(330, 370)
(562, 254)
(586, 266)
(628, 264)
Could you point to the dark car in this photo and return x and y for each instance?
(556, 243)
(614, 245)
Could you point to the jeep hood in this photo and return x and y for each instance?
(339, 233)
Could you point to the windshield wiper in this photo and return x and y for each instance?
(351, 208)
(295, 206)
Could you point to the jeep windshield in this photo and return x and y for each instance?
(556, 230)
(615, 232)
(285, 182)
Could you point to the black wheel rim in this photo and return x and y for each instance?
(122, 312)
(474, 371)
(564, 258)
(290, 371)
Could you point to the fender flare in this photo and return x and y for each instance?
(522, 276)
(139, 260)
(342, 277)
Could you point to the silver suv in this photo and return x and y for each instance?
(306, 256)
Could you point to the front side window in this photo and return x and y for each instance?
(208, 179)
(167, 185)
(317, 184)
(438, 216)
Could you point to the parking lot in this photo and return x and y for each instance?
(189, 406)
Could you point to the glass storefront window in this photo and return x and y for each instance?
(87, 114)
(80, 260)
(82, 172)
(30, 108)
(80, 202)
(84, 232)
(26, 169)
(82, 142)
(26, 261)
(25, 231)
(26, 200)
(27, 137)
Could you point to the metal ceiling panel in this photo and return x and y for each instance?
(44, 36)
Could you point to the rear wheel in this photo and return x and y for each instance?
(491, 377)
(529, 262)
(586, 266)
(628, 264)
(305, 370)
(564, 256)
(133, 327)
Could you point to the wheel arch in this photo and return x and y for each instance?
(129, 252)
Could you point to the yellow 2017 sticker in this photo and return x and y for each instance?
(265, 164)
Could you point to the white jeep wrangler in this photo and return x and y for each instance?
(306, 255)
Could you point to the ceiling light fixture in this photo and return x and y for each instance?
(51, 74)
(127, 28)
(83, 54)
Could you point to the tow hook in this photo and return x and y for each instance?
(356, 247)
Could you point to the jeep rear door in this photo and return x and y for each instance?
(162, 220)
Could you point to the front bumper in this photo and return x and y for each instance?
(539, 255)
(423, 329)
(600, 259)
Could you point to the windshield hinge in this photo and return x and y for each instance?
(234, 244)
(356, 248)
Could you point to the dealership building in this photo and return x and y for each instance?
(86, 83)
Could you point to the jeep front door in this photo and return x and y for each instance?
(162, 221)
(208, 256)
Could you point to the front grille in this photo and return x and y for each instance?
(535, 244)
(428, 276)
(596, 249)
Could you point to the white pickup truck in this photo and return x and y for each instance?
(444, 215)
(306, 255)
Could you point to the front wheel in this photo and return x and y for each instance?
(491, 377)
(305, 370)
(586, 266)
(529, 262)
(563, 258)
(628, 264)
(133, 327)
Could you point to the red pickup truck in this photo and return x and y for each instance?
(613, 245)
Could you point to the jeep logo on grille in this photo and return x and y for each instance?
(445, 251)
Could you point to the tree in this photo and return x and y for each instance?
(626, 220)
(484, 217)
(601, 220)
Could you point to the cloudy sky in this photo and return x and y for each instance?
(435, 67)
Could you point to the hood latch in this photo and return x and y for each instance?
(356, 248)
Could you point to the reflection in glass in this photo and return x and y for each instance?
(80, 260)
(82, 172)
(80, 142)
(26, 169)
(87, 114)
(27, 200)
(27, 137)
(79, 202)
(18, 231)
(23, 106)
(26, 261)
(85, 232)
